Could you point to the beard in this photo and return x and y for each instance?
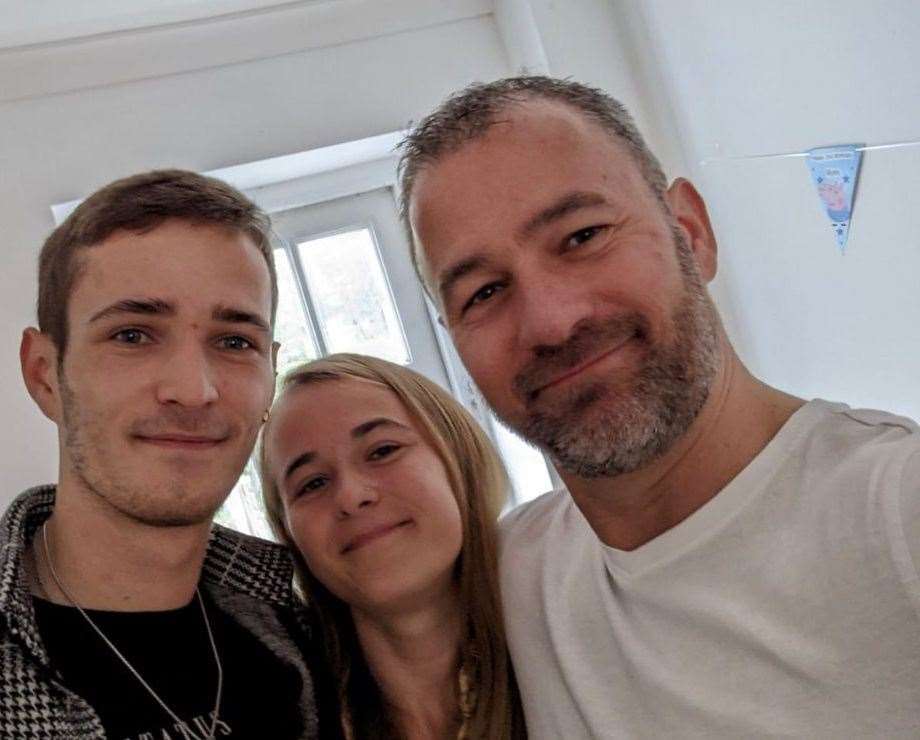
(145, 495)
(617, 425)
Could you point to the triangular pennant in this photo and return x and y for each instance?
(834, 170)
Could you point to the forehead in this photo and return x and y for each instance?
(537, 151)
(327, 410)
(191, 266)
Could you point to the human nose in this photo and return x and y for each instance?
(353, 494)
(549, 310)
(188, 378)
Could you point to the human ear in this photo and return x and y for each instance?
(689, 211)
(38, 358)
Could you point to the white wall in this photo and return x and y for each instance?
(55, 20)
(750, 78)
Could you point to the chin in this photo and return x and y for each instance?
(392, 595)
(172, 508)
(172, 516)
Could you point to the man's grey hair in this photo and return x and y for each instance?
(468, 114)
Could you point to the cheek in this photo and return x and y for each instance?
(251, 392)
(309, 532)
(652, 281)
(453, 531)
(444, 514)
(487, 354)
(642, 267)
(110, 407)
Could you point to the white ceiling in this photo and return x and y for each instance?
(26, 22)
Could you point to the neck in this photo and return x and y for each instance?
(106, 560)
(414, 658)
(737, 421)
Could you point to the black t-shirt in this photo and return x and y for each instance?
(171, 651)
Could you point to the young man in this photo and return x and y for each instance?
(727, 560)
(123, 613)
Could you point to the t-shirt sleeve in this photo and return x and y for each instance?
(909, 511)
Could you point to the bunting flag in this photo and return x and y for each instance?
(834, 170)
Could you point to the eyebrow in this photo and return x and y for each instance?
(368, 426)
(568, 203)
(159, 307)
(454, 273)
(304, 459)
(359, 431)
(231, 315)
(147, 306)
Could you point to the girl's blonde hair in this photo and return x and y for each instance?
(480, 484)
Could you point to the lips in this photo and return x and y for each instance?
(589, 344)
(181, 441)
(579, 368)
(372, 534)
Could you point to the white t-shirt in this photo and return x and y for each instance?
(787, 606)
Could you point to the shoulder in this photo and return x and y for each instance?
(848, 438)
(866, 460)
(535, 516)
(552, 519)
(250, 565)
(222, 536)
(543, 544)
(23, 516)
(31, 705)
(839, 415)
(26, 512)
(882, 456)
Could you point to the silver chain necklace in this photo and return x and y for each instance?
(107, 641)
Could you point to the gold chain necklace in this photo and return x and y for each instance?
(468, 698)
(123, 659)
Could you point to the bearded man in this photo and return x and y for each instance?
(725, 560)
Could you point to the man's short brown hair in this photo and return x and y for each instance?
(140, 203)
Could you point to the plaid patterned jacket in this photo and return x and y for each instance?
(246, 577)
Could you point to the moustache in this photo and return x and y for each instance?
(587, 339)
(199, 423)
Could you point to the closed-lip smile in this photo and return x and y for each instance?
(178, 440)
(369, 535)
(584, 365)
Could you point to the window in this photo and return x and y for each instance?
(243, 509)
(354, 306)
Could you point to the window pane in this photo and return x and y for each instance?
(525, 464)
(292, 329)
(351, 295)
(243, 509)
